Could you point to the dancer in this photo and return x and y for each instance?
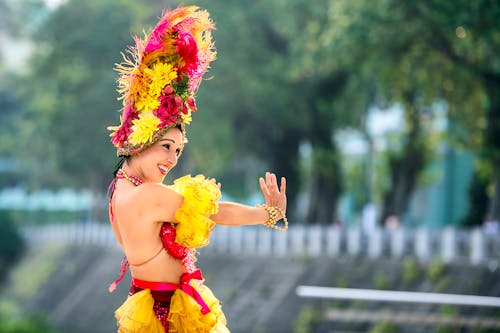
(157, 226)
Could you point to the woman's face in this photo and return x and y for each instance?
(153, 164)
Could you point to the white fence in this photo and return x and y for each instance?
(449, 244)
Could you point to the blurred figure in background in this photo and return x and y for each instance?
(157, 226)
(490, 225)
(369, 218)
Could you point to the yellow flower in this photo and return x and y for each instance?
(152, 84)
(147, 103)
(161, 75)
(186, 118)
(144, 128)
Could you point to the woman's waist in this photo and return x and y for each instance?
(159, 276)
(163, 291)
(158, 295)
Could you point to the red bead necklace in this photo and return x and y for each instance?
(133, 179)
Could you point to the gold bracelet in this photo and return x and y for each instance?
(274, 216)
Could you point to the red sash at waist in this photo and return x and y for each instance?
(161, 286)
(185, 286)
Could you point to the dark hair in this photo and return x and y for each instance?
(120, 163)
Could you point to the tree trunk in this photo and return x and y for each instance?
(495, 199)
(326, 180)
(325, 185)
(285, 163)
(492, 85)
(404, 168)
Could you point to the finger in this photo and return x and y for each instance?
(283, 185)
(272, 185)
(263, 187)
(268, 178)
(275, 182)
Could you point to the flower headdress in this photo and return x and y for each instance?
(157, 85)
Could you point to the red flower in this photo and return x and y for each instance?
(191, 104)
(170, 108)
(188, 50)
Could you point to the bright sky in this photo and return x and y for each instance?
(14, 52)
(53, 3)
(379, 122)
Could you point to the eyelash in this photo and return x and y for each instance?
(177, 151)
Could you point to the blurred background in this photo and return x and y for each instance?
(383, 115)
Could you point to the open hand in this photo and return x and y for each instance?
(275, 196)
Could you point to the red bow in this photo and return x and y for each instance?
(191, 291)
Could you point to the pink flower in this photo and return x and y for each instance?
(155, 41)
(128, 111)
(120, 136)
(168, 90)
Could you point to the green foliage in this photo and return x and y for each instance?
(31, 324)
(442, 52)
(341, 281)
(11, 243)
(447, 329)
(478, 200)
(305, 321)
(411, 271)
(381, 281)
(448, 310)
(435, 270)
(384, 327)
(70, 93)
(271, 105)
(485, 330)
(443, 284)
(288, 72)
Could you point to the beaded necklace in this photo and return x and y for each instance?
(133, 179)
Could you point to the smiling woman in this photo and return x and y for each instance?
(159, 227)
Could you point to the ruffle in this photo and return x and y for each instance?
(201, 198)
(136, 315)
(186, 316)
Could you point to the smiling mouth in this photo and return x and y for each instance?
(163, 169)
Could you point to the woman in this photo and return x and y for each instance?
(157, 226)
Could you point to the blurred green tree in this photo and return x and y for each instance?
(71, 91)
(273, 106)
(289, 72)
(31, 324)
(11, 243)
(416, 54)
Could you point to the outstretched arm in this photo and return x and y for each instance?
(231, 213)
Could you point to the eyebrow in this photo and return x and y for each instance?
(166, 139)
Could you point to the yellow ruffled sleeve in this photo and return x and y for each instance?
(201, 200)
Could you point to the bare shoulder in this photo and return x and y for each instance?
(157, 201)
(154, 193)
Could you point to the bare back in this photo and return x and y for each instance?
(137, 229)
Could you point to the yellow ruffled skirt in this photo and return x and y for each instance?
(136, 314)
